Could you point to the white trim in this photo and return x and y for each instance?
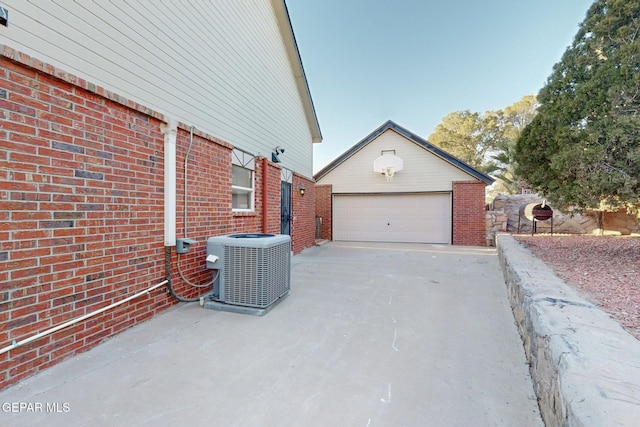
(286, 175)
(250, 190)
(244, 159)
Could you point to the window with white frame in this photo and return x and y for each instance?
(242, 181)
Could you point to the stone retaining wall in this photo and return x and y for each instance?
(585, 367)
(504, 215)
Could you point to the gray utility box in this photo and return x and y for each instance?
(254, 269)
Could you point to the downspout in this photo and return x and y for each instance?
(170, 131)
(265, 176)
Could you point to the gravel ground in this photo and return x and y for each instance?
(606, 270)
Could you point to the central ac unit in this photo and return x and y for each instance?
(254, 271)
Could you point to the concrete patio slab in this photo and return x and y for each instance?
(370, 335)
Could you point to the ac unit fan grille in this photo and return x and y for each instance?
(256, 277)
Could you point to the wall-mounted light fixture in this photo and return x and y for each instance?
(4, 16)
(274, 156)
(301, 190)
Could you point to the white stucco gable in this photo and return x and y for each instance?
(426, 167)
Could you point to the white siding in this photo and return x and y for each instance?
(220, 66)
(423, 171)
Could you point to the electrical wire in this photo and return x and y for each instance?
(204, 285)
(168, 249)
(167, 268)
(186, 179)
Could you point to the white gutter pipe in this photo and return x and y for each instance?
(170, 131)
(79, 319)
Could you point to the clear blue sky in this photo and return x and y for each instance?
(415, 61)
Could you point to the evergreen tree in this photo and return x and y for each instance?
(583, 147)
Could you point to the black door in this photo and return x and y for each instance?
(285, 208)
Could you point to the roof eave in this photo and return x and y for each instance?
(351, 151)
(286, 29)
(389, 124)
(460, 164)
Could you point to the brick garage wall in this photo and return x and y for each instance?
(323, 209)
(81, 212)
(469, 213)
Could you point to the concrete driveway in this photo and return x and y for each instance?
(370, 335)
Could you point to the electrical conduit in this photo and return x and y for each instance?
(79, 319)
(186, 174)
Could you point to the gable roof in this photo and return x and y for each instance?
(389, 124)
(286, 29)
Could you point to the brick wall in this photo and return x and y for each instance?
(323, 209)
(81, 212)
(469, 213)
(81, 207)
(303, 217)
(208, 205)
(274, 197)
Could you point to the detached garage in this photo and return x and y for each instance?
(394, 186)
(392, 217)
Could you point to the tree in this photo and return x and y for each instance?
(472, 137)
(514, 119)
(582, 148)
(486, 140)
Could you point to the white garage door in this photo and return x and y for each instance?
(423, 218)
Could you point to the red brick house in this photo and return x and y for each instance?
(122, 131)
(431, 197)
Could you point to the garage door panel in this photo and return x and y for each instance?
(424, 218)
